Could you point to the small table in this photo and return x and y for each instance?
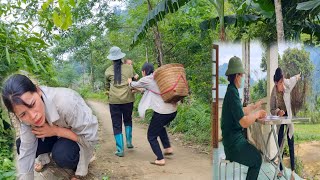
(273, 121)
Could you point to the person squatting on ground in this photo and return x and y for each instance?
(52, 120)
(163, 113)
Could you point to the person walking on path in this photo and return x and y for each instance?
(163, 113)
(120, 99)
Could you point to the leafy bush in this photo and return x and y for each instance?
(194, 121)
(313, 115)
(84, 91)
(7, 166)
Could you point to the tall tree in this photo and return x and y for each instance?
(157, 39)
(293, 62)
(219, 6)
(279, 20)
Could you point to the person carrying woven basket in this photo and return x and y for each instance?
(163, 113)
(234, 118)
(120, 98)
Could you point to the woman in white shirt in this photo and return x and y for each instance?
(280, 105)
(163, 113)
(52, 120)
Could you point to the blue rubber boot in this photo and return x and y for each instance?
(129, 136)
(119, 144)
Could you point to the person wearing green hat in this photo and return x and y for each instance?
(235, 117)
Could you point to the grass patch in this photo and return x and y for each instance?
(87, 93)
(306, 132)
(99, 96)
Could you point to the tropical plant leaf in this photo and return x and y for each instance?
(61, 3)
(72, 3)
(38, 40)
(9, 174)
(33, 61)
(41, 66)
(46, 5)
(56, 19)
(309, 5)
(264, 7)
(157, 14)
(228, 20)
(8, 56)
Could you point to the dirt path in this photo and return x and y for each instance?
(310, 156)
(185, 164)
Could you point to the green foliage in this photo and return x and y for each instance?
(67, 74)
(87, 92)
(157, 14)
(7, 166)
(314, 114)
(293, 62)
(84, 91)
(223, 80)
(263, 64)
(23, 52)
(258, 90)
(299, 167)
(194, 121)
(105, 178)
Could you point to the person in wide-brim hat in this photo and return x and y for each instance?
(120, 98)
(234, 118)
(115, 53)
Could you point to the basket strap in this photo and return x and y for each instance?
(173, 86)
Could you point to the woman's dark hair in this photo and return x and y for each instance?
(148, 68)
(232, 77)
(278, 75)
(117, 71)
(14, 88)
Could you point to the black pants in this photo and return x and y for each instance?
(119, 112)
(290, 144)
(156, 128)
(65, 152)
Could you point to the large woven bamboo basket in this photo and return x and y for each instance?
(172, 82)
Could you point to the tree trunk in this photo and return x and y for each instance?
(219, 5)
(246, 88)
(157, 40)
(279, 19)
(221, 18)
